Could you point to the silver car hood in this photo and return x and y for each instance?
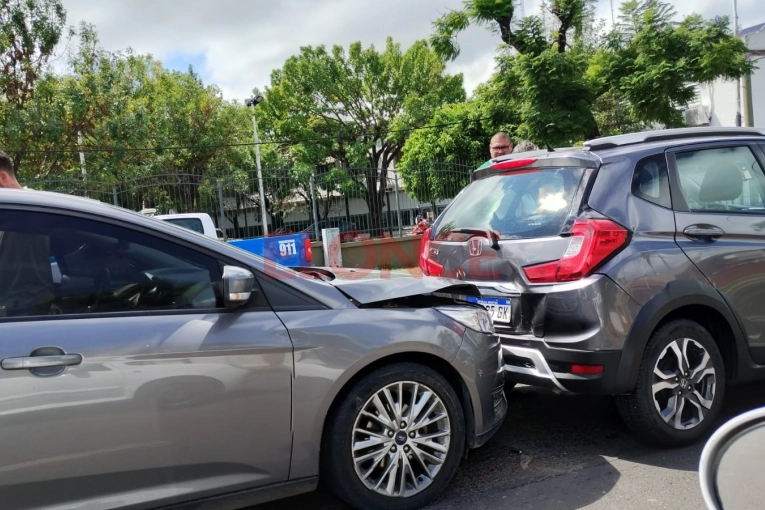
(366, 287)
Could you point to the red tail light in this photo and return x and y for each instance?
(591, 242)
(427, 266)
(308, 251)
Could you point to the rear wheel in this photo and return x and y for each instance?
(680, 386)
(396, 440)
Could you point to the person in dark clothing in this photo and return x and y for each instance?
(26, 277)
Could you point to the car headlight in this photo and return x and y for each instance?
(476, 319)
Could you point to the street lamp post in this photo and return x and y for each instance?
(253, 102)
(738, 81)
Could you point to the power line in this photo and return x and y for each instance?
(232, 145)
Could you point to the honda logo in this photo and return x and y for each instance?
(475, 246)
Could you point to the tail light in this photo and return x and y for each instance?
(591, 242)
(427, 266)
(307, 248)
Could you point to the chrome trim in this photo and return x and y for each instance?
(542, 370)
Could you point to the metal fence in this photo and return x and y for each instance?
(357, 200)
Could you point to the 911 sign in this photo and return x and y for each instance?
(287, 248)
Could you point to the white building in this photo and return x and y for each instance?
(716, 103)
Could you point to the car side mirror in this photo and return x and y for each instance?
(732, 464)
(219, 233)
(237, 286)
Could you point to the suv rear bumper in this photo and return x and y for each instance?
(551, 367)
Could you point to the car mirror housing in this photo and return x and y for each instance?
(732, 463)
(238, 284)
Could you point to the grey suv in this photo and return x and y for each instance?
(633, 266)
(144, 365)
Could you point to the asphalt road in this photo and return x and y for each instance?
(574, 453)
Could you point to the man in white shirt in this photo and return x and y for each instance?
(26, 278)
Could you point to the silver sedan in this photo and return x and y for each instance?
(144, 365)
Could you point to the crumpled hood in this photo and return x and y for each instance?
(366, 287)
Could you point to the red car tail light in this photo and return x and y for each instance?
(591, 242)
(427, 266)
(307, 248)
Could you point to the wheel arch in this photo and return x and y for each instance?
(437, 363)
(682, 299)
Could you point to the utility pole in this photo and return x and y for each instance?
(738, 81)
(253, 102)
(82, 155)
(613, 18)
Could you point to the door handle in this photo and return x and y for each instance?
(697, 231)
(32, 362)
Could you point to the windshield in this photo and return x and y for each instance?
(189, 223)
(518, 205)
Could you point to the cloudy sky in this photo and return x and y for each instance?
(237, 43)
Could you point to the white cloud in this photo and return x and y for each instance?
(241, 42)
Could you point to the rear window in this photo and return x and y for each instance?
(189, 223)
(518, 205)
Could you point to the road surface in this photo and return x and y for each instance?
(574, 454)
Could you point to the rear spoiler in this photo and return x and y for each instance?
(523, 162)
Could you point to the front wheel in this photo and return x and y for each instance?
(680, 386)
(396, 440)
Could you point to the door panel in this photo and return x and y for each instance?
(722, 229)
(160, 406)
(166, 405)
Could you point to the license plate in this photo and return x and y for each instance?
(498, 308)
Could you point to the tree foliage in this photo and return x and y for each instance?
(29, 34)
(557, 65)
(653, 61)
(356, 109)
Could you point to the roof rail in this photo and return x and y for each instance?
(609, 142)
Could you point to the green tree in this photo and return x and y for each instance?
(558, 66)
(355, 109)
(542, 64)
(29, 34)
(163, 136)
(437, 160)
(653, 61)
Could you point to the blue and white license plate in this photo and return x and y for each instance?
(498, 308)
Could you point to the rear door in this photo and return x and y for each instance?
(720, 225)
(153, 392)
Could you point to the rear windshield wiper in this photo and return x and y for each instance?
(491, 235)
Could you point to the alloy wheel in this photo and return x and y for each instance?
(683, 385)
(401, 439)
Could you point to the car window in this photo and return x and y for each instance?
(651, 180)
(726, 179)
(194, 224)
(55, 264)
(518, 205)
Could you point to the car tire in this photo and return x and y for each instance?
(651, 411)
(349, 426)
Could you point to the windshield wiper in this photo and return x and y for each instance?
(491, 235)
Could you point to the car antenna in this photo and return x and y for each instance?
(544, 138)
